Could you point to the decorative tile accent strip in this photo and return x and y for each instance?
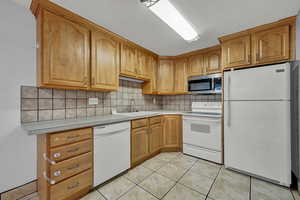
(20, 192)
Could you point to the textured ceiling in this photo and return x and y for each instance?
(211, 18)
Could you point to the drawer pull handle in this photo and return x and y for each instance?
(73, 150)
(49, 160)
(57, 173)
(74, 167)
(70, 187)
(52, 182)
(72, 137)
(56, 155)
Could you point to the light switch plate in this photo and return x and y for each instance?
(93, 101)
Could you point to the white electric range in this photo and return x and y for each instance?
(202, 132)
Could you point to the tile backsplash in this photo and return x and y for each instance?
(183, 102)
(41, 104)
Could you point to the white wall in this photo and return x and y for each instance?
(17, 67)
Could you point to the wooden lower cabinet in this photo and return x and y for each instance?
(161, 134)
(139, 145)
(155, 138)
(172, 132)
(65, 172)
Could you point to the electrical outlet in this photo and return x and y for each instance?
(93, 101)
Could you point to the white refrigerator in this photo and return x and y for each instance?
(257, 122)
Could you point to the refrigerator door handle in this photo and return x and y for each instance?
(228, 100)
(228, 114)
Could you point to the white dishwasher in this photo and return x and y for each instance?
(111, 151)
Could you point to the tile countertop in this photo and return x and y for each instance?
(43, 127)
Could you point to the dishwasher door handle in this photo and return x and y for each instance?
(110, 133)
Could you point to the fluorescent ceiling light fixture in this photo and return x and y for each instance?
(171, 16)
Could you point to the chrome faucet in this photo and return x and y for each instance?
(132, 103)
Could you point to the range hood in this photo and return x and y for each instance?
(131, 79)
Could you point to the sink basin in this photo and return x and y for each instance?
(136, 114)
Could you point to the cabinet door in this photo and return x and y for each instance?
(165, 81)
(180, 85)
(236, 52)
(155, 138)
(128, 60)
(143, 68)
(271, 45)
(150, 87)
(65, 53)
(105, 62)
(139, 145)
(196, 65)
(172, 131)
(213, 62)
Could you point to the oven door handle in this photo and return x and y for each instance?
(192, 120)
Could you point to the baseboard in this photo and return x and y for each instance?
(20, 191)
(171, 149)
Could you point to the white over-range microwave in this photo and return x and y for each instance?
(208, 84)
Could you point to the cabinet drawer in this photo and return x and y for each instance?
(70, 167)
(71, 186)
(69, 137)
(139, 123)
(155, 120)
(68, 151)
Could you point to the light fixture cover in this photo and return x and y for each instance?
(165, 10)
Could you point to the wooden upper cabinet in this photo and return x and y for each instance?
(236, 52)
(172, 131)
(143, 65)
(271, 45)
(196, 65)
(105, 62)
(180, 84)
(150, 87)
(128, 60)
(165, 76)
(213, 62)
(64, 53)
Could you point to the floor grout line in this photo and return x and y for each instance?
(101, 194)
(131, 188)
(177, 182)
(207, 195)
(293, 194)
(147, 191)
(153, 171)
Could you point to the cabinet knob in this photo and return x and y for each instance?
(57, 173)
(75, 185)
(56, 155)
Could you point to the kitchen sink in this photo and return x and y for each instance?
(136, 114)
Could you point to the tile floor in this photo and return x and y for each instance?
(175, 176)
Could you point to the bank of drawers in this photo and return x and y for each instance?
(68, 170)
